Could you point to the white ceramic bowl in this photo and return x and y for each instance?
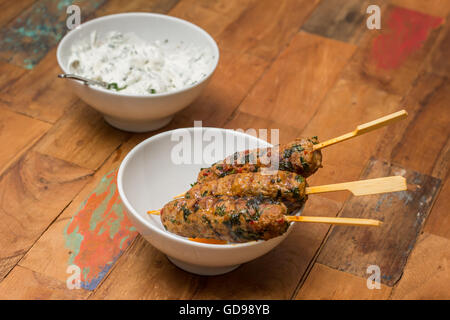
(138, 113)
(148, 178)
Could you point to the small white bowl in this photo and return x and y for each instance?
(138, 113)
(148, 179)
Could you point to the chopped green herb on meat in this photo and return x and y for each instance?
(186, 212)
(220, 211)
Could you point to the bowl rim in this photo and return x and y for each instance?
(168, 234)
(72, 33)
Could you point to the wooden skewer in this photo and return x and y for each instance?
(329, 220)
(364, 187)
(338, 221)
(358, 188)
(364, 128)
(181, 195)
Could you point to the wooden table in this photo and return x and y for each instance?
(306, 67)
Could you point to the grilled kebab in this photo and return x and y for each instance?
(282, 185)
(234, 219)
(297, 156)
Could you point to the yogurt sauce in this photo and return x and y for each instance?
(134, 66)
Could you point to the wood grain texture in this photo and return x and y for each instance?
(39, 93)
(348, 104)
(439, 8)
(427, 133)
(427, 274)
(353, 249)
(438, 61)
(212, 16)
(120, 6)
(253, 124)
(420, 142)
(82, 137)
(99, 232)
(92, 232)
(233, 78)
(17, 140)
(291, 90)
(10, 9)
(438, 223)
(266, 27)
(324, 283)
(32, 194)
(145, 273)
(27, 39)
(391, 58)
(9, 74)
(35, 286)
(345, 20)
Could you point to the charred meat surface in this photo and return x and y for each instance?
(234, 219)
(297, 156)
(282, 185)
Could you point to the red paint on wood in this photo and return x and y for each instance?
(99, 232)
(406, 32)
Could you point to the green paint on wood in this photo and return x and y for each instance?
(27, 39)
(73, 241)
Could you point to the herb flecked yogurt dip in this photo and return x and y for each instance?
(131, 65)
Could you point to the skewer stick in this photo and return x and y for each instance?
(364, 128)
(181, 195)
(338, 221)
(364, 187)
(358, 188)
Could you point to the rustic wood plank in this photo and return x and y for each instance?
(234, 76)
(232, 8)
(92, 232)
(438, 223)
(348, 104)
(427, 273)
(428, 134)
(419, 142)
(291, 90)
(391, 58)
(324, 283)
(38, 93)
(118, 6)
(340, 20)
(439, 8)
(438, 61)
(14, 138)
(27, 39)
(82, 137)
(33, 193)
(213, 16)
(145, 273)
(10, 9)
(36, 286)
(266, 27)
(245, 121)
(353, 249)
(9, 74)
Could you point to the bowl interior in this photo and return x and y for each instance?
(152, 174)
(148, 26)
